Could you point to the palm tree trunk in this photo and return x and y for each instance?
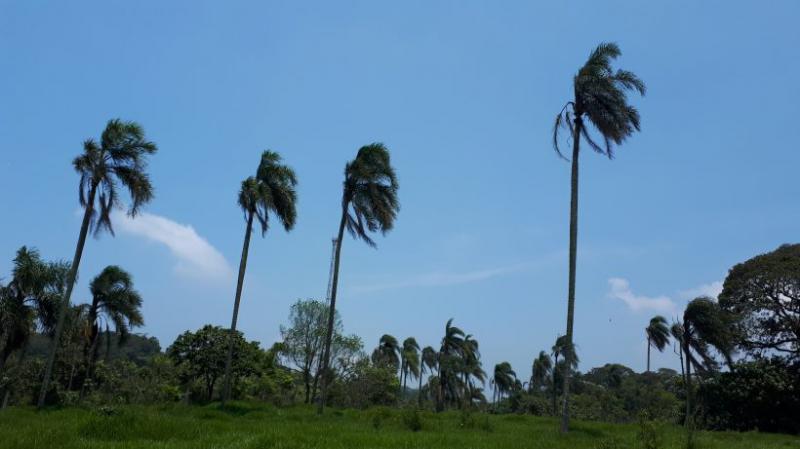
(419, 390)
(555, 367)
(688, 421)
(91, 358)
(573, 254)
(648, 354)
(62, 315)
(331, 314)
(226, 389)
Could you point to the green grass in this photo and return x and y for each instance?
(245, 425)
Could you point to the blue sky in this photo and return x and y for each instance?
(464, 94)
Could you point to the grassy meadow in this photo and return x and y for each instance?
(245, 425)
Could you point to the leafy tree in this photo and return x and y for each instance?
(272, 190)
(202, 355)
(540, 371)
(657, 335)
(304, 338)
(410, 363)
(369, 204)
(119, 158)
(764, 293)
(763, 395)
(704, 326)
(115, 300)
(600, 97)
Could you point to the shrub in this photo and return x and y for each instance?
(412, 420)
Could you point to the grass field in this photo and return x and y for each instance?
(256, 426)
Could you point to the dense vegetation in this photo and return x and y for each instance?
(739, 353)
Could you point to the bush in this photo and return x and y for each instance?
(647, 434)
(379, 415)
(412, 420)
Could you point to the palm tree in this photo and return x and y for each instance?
(29, 301)
(388, 352)
(429, 361)
(471, 368)
(369, 204)
(562, 348)
(601, 97)
(116, 301)
(657, 336)
(119, 158)
(705, 325)
(504, 377)
(410, 363)
(272, 190)
(540, 370)
(449, 364)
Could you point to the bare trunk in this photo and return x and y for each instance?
(226, 388)
(331, 314)
(688, 382)
(648, 354)
(62, 315)
(573, 254)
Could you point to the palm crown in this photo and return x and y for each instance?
(114, 297)
(370, 193)
(271, 190)
(601, 96)
(658, 332)
(119, 157)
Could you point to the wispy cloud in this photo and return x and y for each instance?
(712, 290)
(621, 289)
(440, 279)
(195, 257)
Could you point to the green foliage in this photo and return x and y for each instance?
(762, 394)
(412, 419)
(201, 356)
(764, 294)
(648, 435)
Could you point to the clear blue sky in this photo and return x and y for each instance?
(464, 94)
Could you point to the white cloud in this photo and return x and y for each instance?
(440, 279)
(195, 256)
(621, 289)
(712, 290)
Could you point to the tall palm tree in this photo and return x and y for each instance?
(471, 368)
(657, 336)
(429, 361)
(449, 365)
(504, 377)
(119, 158)
(116, 301)
(369, 204)
(600, 97)
(272, 190)
(410, 363)
(705, 325)
(540, 370)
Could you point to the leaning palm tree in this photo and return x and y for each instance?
(428, 361)
(114, 300)
(388, 352)
(600, 98)
(657, 336)
(369, 204)
(409, 360)
(704, 326)
(504, 377)
(119, 158)
(540, 370)
(272, 190)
